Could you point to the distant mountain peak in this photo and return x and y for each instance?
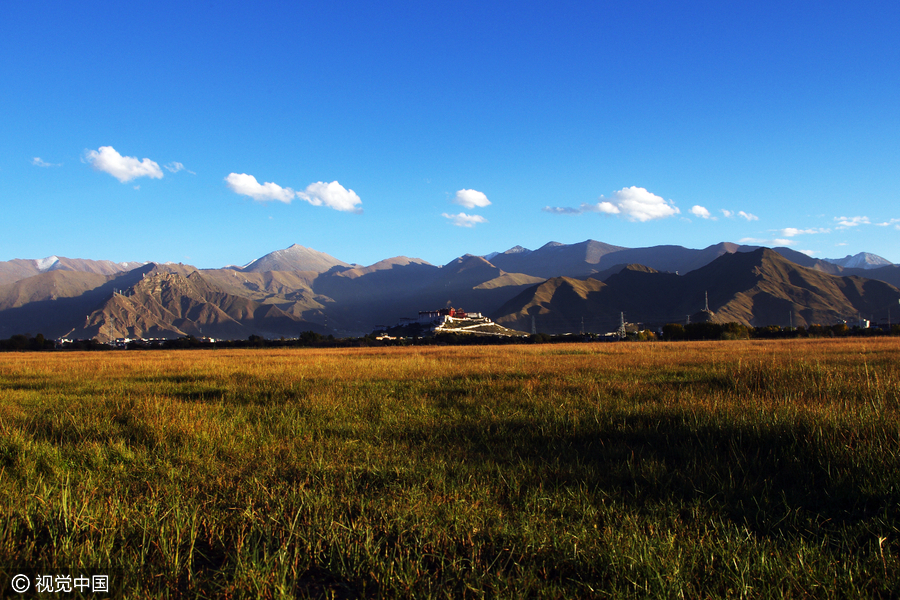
(863, 260)
(45, 264)
(517, 250)
(294, 258)
(551, 245)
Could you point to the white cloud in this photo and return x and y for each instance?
(464, 220)
(793, 231)
(471, 199)
(247, 185)
(701, 212)
(888, 223)
(637, 204)
(634, 203)
(123, 168)
(846, 222)
(36, 161)
(563, 210)
(333, 195)
(174, 167)
(730, 214)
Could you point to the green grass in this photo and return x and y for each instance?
(726, 470)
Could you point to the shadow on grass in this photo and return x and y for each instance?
(778, 481)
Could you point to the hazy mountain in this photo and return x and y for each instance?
(49, 303)
(863, 260)
(554, 259)
(590, 257)
(755, 288)
(17, 269)
(295, 258)
(889, 274)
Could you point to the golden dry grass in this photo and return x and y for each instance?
(720, 469)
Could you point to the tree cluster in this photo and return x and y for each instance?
(736, 331)
(26, 342)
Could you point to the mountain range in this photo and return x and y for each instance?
(555, 288)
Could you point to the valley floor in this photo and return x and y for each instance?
(732, 469)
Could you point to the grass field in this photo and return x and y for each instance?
(665, 470)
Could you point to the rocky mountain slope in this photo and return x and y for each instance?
(166, 305)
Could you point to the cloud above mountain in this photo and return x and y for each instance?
(702, 212)
(247, 185)
(793, 231)
(632, 203)
(471, 199)
(464, 220)
(730, 214)
(847, 222)
(333, 195)
(123, 168)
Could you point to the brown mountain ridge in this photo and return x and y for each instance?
(754, 288)
(307, 290)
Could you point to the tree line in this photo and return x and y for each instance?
(672, 332)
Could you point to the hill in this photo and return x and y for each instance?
(754, 288)
(167, 305)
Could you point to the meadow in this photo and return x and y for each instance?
(754, 469)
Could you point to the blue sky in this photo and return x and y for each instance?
(213, 133)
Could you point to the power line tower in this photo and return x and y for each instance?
(621, 332)
(533, 326)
